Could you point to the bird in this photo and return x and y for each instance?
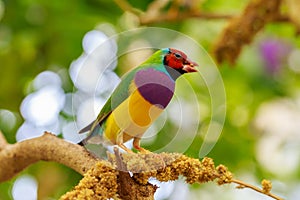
(141, 96)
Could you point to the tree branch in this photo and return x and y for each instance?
(164, 167)
(242, 29)
(126, 7)
(128, 186)
(266, 187)
(154, 13)
(16, 157)
(165, 17)
(106, 181)
(111, 179)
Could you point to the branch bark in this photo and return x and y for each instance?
(127, 184)
(104, 179)
(16, 157)
(242, 29)
(165, 17)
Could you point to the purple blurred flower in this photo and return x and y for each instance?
(274, 53)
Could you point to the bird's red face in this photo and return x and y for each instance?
(178, 60)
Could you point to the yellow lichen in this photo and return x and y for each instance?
(225, 175)
(266, 186)
(194, 170)
(100, 182)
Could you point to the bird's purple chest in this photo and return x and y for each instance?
(155, 86)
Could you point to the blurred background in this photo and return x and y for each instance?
(60, 60)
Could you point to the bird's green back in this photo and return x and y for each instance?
(122, 91)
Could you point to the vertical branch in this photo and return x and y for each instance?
(128, 188)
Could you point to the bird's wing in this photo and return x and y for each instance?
(121, 93)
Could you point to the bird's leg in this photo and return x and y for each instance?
(136, 145)
(125, 148)
(120, 143)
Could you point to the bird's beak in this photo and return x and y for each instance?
(189, 66)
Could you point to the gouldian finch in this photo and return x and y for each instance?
(139, 99)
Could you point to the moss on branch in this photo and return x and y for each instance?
(111, 179)
(164, 167)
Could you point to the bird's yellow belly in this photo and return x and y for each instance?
(131, 118)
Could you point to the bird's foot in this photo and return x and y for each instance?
(136, 145)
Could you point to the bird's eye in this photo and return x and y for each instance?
(177, 55)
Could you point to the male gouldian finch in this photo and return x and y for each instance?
(139, 99)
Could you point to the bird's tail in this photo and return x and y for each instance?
(94, 135)
(87, 128)
(95, 143)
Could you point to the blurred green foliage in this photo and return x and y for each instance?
(46, 35)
